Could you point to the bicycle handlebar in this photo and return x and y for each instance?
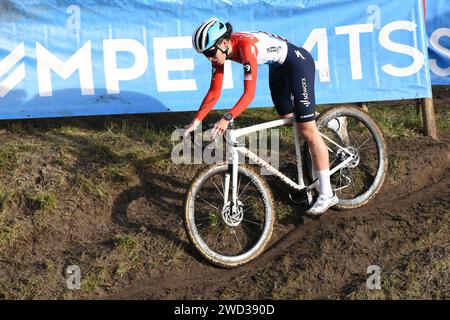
(209, 126)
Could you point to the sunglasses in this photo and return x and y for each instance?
(211, 53)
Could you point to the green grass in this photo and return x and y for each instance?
(423, 272)
(5, 197)
(29, 288)
(403, 122)
(42, 199)
(118, 173)
(125, 243)
(401, 119)
(283, 210)
(8, 158)
(90, 281)
(6, 235)
(109, 156)
(61, 160)
(412, 278)
(90, 185)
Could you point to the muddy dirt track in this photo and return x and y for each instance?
(328, 257)
(90, 193)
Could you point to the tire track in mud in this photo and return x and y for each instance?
(423, 182)
(213, 277)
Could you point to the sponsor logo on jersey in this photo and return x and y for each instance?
(308, 116)
(299, 55)
(305, 94)
(274, 49)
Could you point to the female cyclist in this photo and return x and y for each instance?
(291, 81)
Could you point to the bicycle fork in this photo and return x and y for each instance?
(231, 180)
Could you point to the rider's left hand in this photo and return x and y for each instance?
(219, 128)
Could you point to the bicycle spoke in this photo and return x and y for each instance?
(200, 230)
(353, 184)
(218, 234)
(364, 188)
(244, 189)
(247, 229)
(258, 224)
(217, 188)
(364, 143)
(208, 203)
(243, 200)
(233, 231)
(250, 207)
(201, 219)
(362, 166)
(365, 148)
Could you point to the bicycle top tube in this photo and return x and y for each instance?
(236, 133)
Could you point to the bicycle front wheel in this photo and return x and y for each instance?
(226, 238)
(362, 178)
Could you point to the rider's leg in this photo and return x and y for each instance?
(292, 90)
(319, 153)
(302, 78)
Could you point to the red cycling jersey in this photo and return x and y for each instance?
(250, 49)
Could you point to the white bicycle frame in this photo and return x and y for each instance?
(236, 148)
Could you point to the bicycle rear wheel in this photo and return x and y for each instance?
(227, 239)
(360, 180)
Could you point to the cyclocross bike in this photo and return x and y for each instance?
(229, 208)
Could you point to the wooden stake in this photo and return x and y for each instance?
(429, 121)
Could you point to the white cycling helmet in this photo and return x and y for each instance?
(208, 33)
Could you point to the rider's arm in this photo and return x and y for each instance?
(213, 94)
(250, 64)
